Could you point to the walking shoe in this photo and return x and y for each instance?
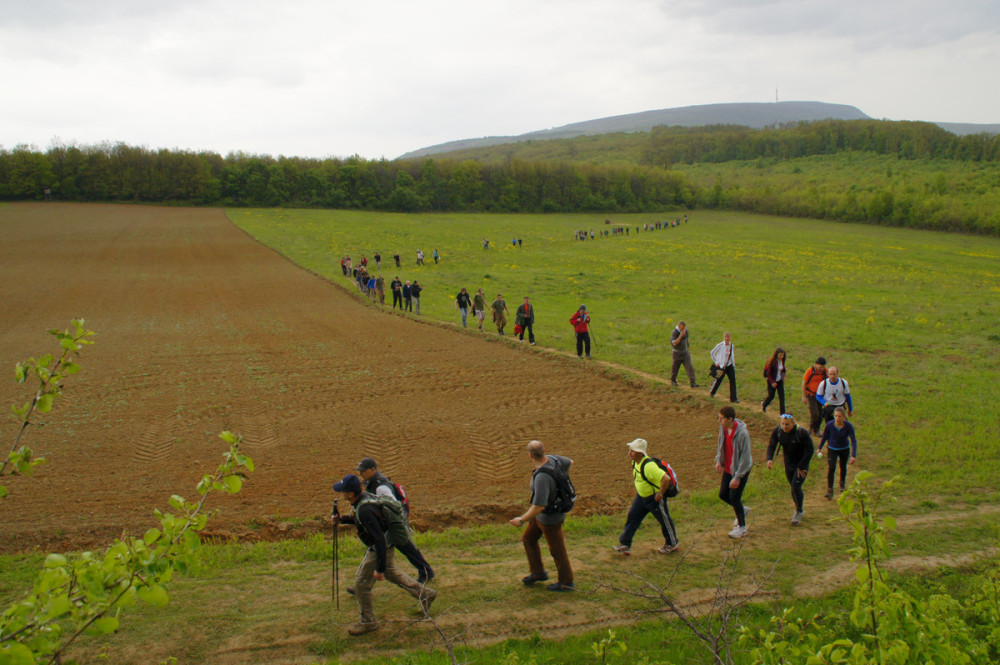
(734, 401)
(738, 532)
(622, 549)
(532, 343)
(668, 549)
(673, 383)
(362, 628)
(559, 586)
(534, 577)
(797, 518)
(763, 409)
(829, 493)
(695, 385)
(746, 511)
(588, 355)
(842, 489)
(427, 597)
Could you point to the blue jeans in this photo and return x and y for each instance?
(642, 506)
(465, 314)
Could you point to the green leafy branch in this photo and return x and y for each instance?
(86, 594)
(50, 371)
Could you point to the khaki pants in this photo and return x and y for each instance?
(364, 580)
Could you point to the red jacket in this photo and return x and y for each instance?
(580, 321)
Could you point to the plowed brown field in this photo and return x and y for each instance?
(200, 328)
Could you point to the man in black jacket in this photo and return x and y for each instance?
(378, 534)
(378, 483)
(797, 448)
(397, 292)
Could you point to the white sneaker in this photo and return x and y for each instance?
(738, 532)
(797, 518)
(746, 511)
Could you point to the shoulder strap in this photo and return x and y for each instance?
(642, 471)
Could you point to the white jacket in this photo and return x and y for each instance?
(723, 355)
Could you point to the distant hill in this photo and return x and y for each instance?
(754, 115)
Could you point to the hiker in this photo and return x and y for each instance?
(774, 375)
(381, 527)
(652, 485)
(810, 382)
(463, 301)
(420, 258)
(733, 461)
(549, 483)
(437, 257)
(415, 290)
(525, 317)
(407, 297)
(378, 260)
(479, 307)
(379, 484)
(499, 314)
(380, 288)
(396, 257)
(834, 392)
(580, 321)
(397, 292)
(722, 358)
(841, 441)
(679, 340)
(797, 450)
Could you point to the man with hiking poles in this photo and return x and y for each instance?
(382, 527)
(581, 325)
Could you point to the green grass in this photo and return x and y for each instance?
(908, 316)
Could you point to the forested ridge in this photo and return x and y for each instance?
(899, 173)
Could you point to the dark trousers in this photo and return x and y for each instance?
(683, 358)
(734, 497)
(557, 548)
(727, 371)
(642, 506)
(771, 390)
(408, 304)
(828, 410)
(835, 457)
(582, 340)
(397, 297)
(531, 333)
(792, 474)
(413, 555)
(815, 415)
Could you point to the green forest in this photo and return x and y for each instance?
(908, 174)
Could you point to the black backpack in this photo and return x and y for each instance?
(561, 501)
(673, 490)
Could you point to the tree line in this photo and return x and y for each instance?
(906, 140)
(122, 173)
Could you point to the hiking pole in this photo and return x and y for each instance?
(336, 557)
(593, 340)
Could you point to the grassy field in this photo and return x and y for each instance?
(909, 317)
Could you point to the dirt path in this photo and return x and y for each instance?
(201, 328)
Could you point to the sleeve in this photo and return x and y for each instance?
(772, 447)
(806, 443)
(384, 490)
(854, 440)
(825, 438)
(820, 392)
(541, 487)
(847, 395)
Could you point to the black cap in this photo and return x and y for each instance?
(350, 483)
(821, 360)
(365, 464)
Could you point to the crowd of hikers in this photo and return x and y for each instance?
(380, 507)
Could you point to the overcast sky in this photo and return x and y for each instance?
(378, 78)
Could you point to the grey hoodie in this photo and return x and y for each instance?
(742, 461)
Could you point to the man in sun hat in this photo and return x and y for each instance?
(381, 533)
(652, 484)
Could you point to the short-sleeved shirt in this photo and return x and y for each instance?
(682, 346)
(499, 306)
(543, 485)
(654, 474)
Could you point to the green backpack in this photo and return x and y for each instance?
(394, 521)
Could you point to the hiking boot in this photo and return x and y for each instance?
(829, 493)
(668, 549)
(746, 511)
(624, 550)
(534, 577)
(427, 597)
(559, 586)
(361, 628)
(797, 518)
(738, 532)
